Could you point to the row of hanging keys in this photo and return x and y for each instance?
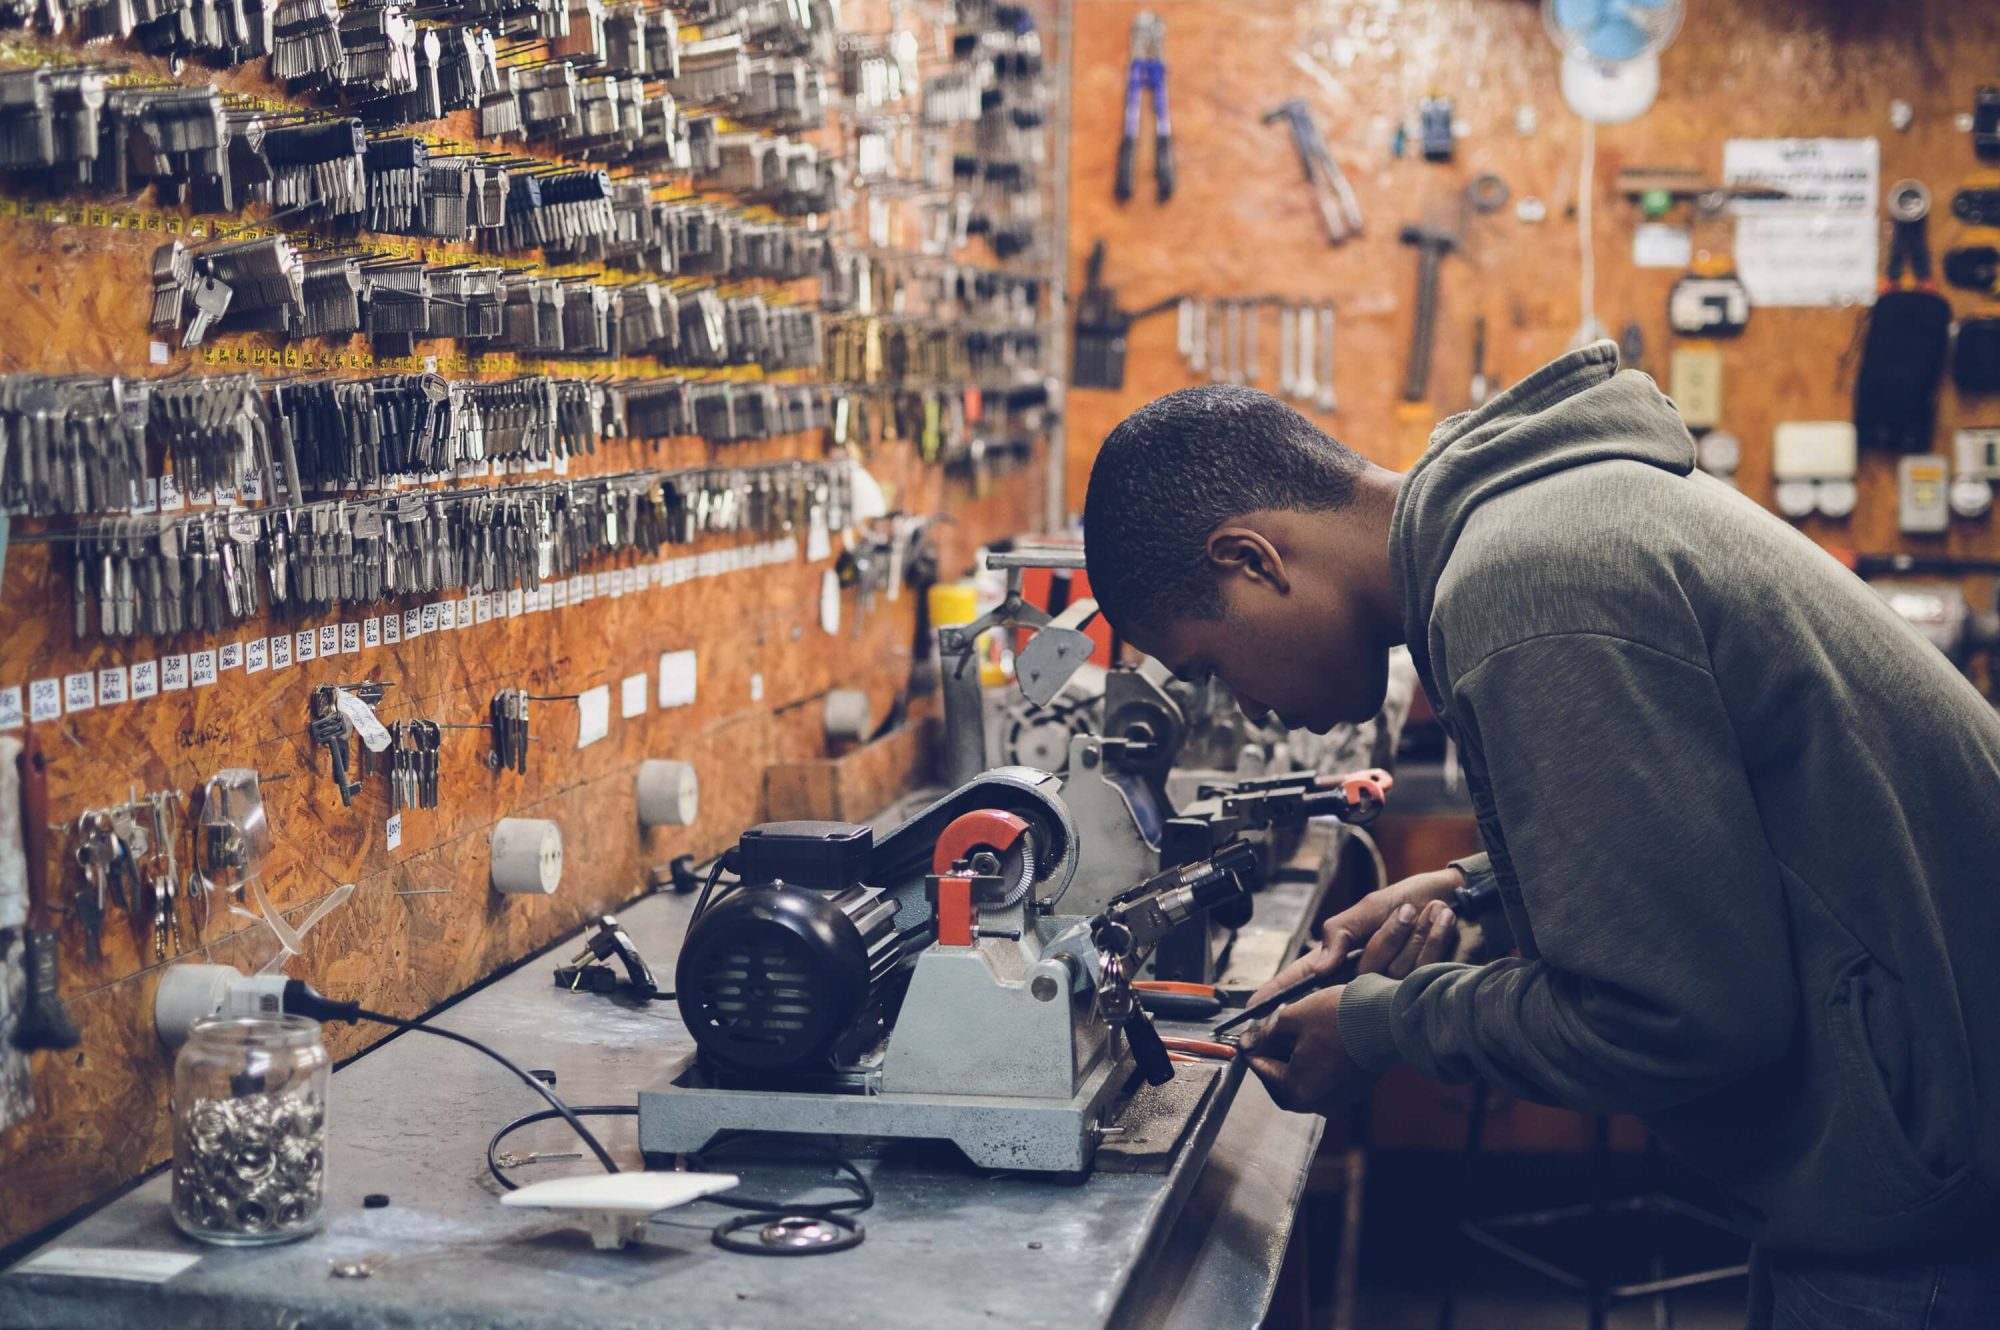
(128, 857)
(159, 576)
(411, 764)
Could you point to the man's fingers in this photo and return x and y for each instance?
(1443, 939)
(1388, 941)
(1406, 959)
(1319, 961)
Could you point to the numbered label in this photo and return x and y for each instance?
(329, 640)
(201, 668)
(232, 656)
(145, 680)
(173, 674)
(257, 656)
(79, 691)
(465, 613)
(44, 700)
(395, 831)
(11, 715)
(113, 686)
(305, 645)
(371, 633)
(281, 652)
(392, 629)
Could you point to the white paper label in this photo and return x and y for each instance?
(201, 668)
(145, 680)
(756, 688)
(677, 679)
(593, 711)
(350, 638)
(304, 646)
(394, 829)
(413, 624)
(44, 700)
(392, 629)
(281, 652)
(126, 1263)
(428, 619)
(11, 715)
(465, 613)
(371, 633)
(558, 593)
(231, 657)
(329, 640)
(632, 696)
(362, 717)
(112, 686)
(171, 498)
(1817, 245)
(514, 603)
(482, 608)
(256, 656)
(79, 691)
(1658, 245)
(173, 673)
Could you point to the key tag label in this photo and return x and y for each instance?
(232, 656)
(173, 673)
(145, 680)
(257, 656)
(394, 830)
(11, 717)
(371, 633)
(111, 686)
(79, 691)
(202, 669)
(281, 652)
(44, 700)
(362, 717)
(392, 629)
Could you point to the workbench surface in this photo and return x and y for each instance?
(946, 1245)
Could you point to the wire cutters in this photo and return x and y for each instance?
(1147, 72)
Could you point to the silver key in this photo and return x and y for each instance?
(211, 302)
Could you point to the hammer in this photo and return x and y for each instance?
(1432, 243)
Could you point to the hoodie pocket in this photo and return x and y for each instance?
(1871, 1110)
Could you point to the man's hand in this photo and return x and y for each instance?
(1404, 925)
(1298, 1052)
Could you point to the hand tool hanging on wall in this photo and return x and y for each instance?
(1332, 194)
(45, 1023)
(1432, 244)
(1909, 331)
(1147, 73)
(1101, 328)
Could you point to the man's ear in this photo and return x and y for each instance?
(1241, 551)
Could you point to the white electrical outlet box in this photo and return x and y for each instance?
(1923, 486)
(1814, 450)
(1978, 453)
(1695, 382)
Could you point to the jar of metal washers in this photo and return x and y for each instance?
(249, 1110)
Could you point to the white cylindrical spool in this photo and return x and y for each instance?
(849, 716)
(669, 793)
(527, 856)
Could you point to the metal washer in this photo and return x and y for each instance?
(789, 1235)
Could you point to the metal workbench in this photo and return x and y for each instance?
(946, 1246)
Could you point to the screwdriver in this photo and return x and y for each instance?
(1340, 974)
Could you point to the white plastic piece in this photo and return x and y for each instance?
(677, 679)
(614, 1207)
(1971, 497)
(1795, 498)
(1719, 453)
(527, 856)
(374, 736)
(669, 793)
(1837, 498)
(1977, 453)
(1814, 450)
(1610, 92)
(849, 717)
(829, 602)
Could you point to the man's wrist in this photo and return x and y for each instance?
(1366, 1019)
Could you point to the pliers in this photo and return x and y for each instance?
(1147, 72)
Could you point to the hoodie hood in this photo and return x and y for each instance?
(1575, 411)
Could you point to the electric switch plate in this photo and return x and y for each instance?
(1695, 376)
(1922, 495)
(1978, 453)
(1813, 450)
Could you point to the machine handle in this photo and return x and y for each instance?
(1147, 1051)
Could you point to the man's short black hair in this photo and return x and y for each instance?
(1175, 470)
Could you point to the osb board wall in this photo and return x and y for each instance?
(1242, 221)
(76, 297)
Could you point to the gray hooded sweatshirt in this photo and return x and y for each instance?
(1745, 823)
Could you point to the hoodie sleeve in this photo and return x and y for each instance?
(1630, 826)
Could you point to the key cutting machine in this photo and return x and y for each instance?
(929, 985)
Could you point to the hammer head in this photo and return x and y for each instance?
(1430, 237)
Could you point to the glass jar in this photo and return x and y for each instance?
(249, 1111)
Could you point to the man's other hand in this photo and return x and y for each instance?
(1404, 926)
(1298, 1053)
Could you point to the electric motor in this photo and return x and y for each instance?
(793, 972)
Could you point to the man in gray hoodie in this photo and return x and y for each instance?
(1745, 822)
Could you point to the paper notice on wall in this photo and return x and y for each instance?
(1818, 245)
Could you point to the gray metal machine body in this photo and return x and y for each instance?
(998, 1047)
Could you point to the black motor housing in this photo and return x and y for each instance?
(780, 980)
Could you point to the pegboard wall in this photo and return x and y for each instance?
(1241, 221)
(917, 370)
